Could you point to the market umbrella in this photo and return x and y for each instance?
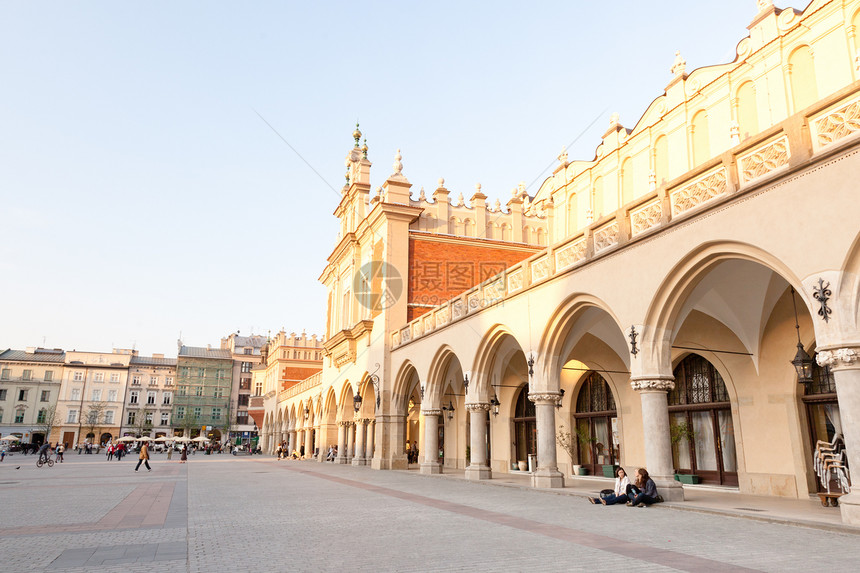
(126, 439)
(144, 439)
(163, 439)
(11, 438)
(200, 439)
(181, 439)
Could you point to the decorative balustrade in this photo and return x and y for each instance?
(836, 121)
(303, 386)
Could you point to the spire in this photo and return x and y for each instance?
(364, 149)
(356, 134)
(398, 166)
(680, 65)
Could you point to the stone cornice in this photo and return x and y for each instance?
(838, 358)
(545, 397)
(653, 384)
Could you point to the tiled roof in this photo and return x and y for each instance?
(200, 352)
(150, 361)
(53, 356)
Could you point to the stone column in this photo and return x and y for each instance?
(291, 441)
(431, 464)
(371, 433)
(845, 365)
(317, 447)
(309, 442)
(360, 431)
(657, 437)
(350, 442)
(341, 443)
(546, 474)
(478, 468)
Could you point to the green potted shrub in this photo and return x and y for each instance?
(683, 431)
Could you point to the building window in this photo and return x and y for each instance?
(198, 411)
(258, 389)
(42, 416)
(99, 377)
(133, 397)
(109, 417)
(166, 398)
(216, 413)
(135, 380)
(246, 367)
(3, 395)
(148, 417)
(153, 380)
(5, 374)
(114, 377)
(76, 394)
(132, 415)
(78, 377)
(182, 390)
(219, 392)
(46, 396)
(1, 414)
(49, 375)
(242, 417)
(245, 384)
(150, 397)
(111, 395)
(19, 416)
(28, 375)
(249, 351)
(243, 399)
(180, 412)
(22, 395)
(168, 381)
(97, 395)
(165, 418)
(198, 390)
(183, 371)
(73, 417)
(219, 374)
(201, 372)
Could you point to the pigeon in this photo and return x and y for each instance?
(18, 468)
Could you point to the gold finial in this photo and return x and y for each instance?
(356, 134)
(364, 149)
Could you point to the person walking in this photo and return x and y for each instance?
(60, 451)
(170, 451)
(143, 458)
(184, 457)
(110, 450)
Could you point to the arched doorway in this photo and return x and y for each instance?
(700, 416)
(596, 425)
(105, 438)
(525, 427)
(822, 413)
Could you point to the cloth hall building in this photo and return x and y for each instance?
(647, 304)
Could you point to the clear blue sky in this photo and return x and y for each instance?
(141, 196)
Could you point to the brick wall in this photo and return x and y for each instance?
(440, 268)
(292, 375)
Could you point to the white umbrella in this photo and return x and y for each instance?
(181, 439)
(126, 439)
(200, 439)
(163, 439)
(144, 439)
(11, 438)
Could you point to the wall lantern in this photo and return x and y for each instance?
(802, 361)
(494, 402)
(307, 413)
(356, 402)
(450, 409)
(560, 398)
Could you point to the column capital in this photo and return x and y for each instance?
(545, 397)
(478, 407)
(432, 412)
(839, 358)
(655, 383)
(345, 423)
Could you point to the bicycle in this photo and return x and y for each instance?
(41, 461)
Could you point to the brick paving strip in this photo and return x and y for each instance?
(146, 506)
(680, 561)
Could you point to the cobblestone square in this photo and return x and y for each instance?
(225, 513)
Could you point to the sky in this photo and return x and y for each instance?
(171, 168)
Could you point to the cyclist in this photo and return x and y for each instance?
(43, 451)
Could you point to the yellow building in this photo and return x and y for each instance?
(658, 306)
(29, 388)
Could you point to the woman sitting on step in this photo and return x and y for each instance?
(619, 494)
(644, 491)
